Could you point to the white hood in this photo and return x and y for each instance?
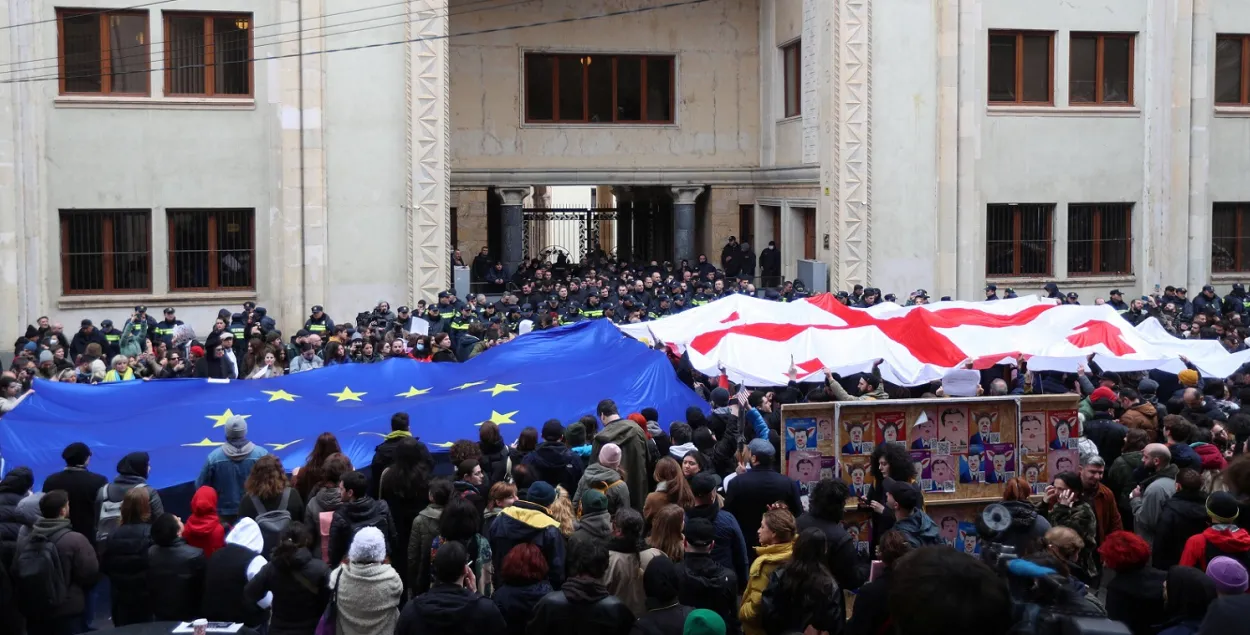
(246, 533)
(679, 452)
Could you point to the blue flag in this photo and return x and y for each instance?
(560, 374)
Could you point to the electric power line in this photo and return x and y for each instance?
(361, 47)
(101, 11)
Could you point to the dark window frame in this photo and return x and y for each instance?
(107, 250)
(1019, 69)
(1100, 62)
(792, 79)
(1245, 69)
(213, 250)
(1241, 234)
(209, 48)
(1097, 241)
(1017, 239)
(106, 53)
(554, 58)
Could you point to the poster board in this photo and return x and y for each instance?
(965, 449)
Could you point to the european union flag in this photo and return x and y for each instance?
(555, 374)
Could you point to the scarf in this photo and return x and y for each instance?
(397, 434)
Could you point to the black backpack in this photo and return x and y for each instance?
(39, 581)
(272, 523)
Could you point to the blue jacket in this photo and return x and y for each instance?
(730, 548)
(757, 423)
(526, 522)
(227, 475)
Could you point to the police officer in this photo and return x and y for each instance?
(112, 337)
(660, 309)
(164, 330)
(1117, 301)
(594, 308)
(437, 323)
(238, 328)
(261, 322)
(572, 314)
(319, 323)
(679, 305)
(404, 319)
(700, 296)
(446, 308)
(459, 326)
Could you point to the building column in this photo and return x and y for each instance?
(427, 91)
(513, 225)
(684, 197)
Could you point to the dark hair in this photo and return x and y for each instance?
(680, 432)
(165, 530)
(1237, 475)
(591, 423)
(52, 503)
(136, 506)
(441, 490)
(19, 480)
(587, 556)
(522, 477)
(292, 539)
(1189, 479)
(460, 519)
(897, 457)
(407, 478)
(356, 483)
(828, 499)
(606, 407)
(465, 468)
(524, 565)
(1070, 479)
(463, 450)
(334, 467)
(629, 522)
(893, 545)
(930, 591)
(1135, 440)
(313, 472)
(1181, 431)
(527, 440)
(449, 562)
(1190, 592)
(399, 421)
(806, 577)
(488, 435)
(668, 470)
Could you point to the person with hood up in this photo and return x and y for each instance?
(82, 485)
(175, 572)
(214, 364)
(1183, 516)
(366, 589)
(524, 583)
(530, 521)
(451, 606)
(665, 614)
(776, 542)
(1222, 538)
(730, 548)
(552, 461)
(226, 469)
(605, 477)
(78, 565)
(132, 472)
(909, 516)
(583, 605)
(204, 529)
(1027, 531)
(297, 582)
(1135, 592)
(358, 510)
(1148, 497)
(15, 487)
(596, 520)
(1187, 593)
(632, 442)
(227, 574)
(752, 491)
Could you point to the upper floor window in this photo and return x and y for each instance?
(1022, 65)
(208, 54)
(1101, 68)
(212, 249)
(1232, 70)
(1230, 237)
(1100, 238)
(102, 53)
(589, 88)
(1018, 240)
(106, 251)
(792, 65)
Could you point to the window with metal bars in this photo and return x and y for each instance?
(208, 55)
(1232, 70)
(792, 78)
(212, 249)
(1022, 67)
(1230, 237)
(106, 251)
(1100, 238)
(1018, 239)
(587, 88)
(1101, 68)
(102, 53)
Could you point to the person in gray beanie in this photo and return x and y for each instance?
(227, 467)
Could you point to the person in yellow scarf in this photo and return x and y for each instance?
(120, 371)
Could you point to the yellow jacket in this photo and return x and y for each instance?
(767, 559)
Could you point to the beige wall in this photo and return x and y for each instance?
(470, 207)
(717, 46)
(721, 215)
(787, 26)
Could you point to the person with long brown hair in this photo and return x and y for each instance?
(124, 559)
(672, 481)
(326, 497)
(776, 538)
(666, 538)
(310, 476)
(267, 489)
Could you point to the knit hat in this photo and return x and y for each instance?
(45, 357)
(1222, 508)
(1102, 393)
(720, 397)
(650, 414)
(593, 501)
(703, 622)
(1228, 575)
(1147, 386)
(660, 581)
(575, 434)
(368, 545)
(236, 428)
(703, 483)
(1188, 377)
(76, 454)
(134, 464)
(907, 495)
(761, 447)
(553, 430)
(699, 532)
(541, 493)
(610, 455)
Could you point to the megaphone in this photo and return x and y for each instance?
(996, 517)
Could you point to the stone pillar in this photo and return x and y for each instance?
(428, 124)
(512, 216)
(684, 197)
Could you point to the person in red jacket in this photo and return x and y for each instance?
(204, 529)
(1222, 538)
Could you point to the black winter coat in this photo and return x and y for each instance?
(670, 620)
(1106, 433)
(450, 610)
(1136, 598)
(1182, 516)
(124, 559)
(176, 581)
(494, 462)
(516, 604)
(848, 569)
(300, 593)
(556, 464)
(783, 613)
(11, 523)
(750, 494)
(1227, 616)
(704, 584)
(580, 607)
(82, 487)
(871, 607)
(350, 517)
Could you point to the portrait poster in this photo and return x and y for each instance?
(985, 427)
(1063, 427)
(859, 528)
(1033, 432)
(998, 462)
(952, 431)
(800, 434)
(948, 518)
(924, 429)
(968, 541)
(943, 470)
(972, 465)
(828, 468)
(1060, 461)
(857, 434)
(1033, 467)
(804, 466)
(824, 435)
(891, 426)
(856, 474)
(921, 460)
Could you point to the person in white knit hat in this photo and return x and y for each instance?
(367, 587)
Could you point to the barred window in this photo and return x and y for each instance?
(1100, 238)
(212, 249)
(1230, 237)
(106, 251)
(1018, 239)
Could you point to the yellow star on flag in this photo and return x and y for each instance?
(499, 419)
(468, 385)
(498, 388)
(280, 395)
(220, 420)
(413, 391)
(283, 446)
(202, 444)
(347, 395)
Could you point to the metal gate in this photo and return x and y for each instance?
(575, 232)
